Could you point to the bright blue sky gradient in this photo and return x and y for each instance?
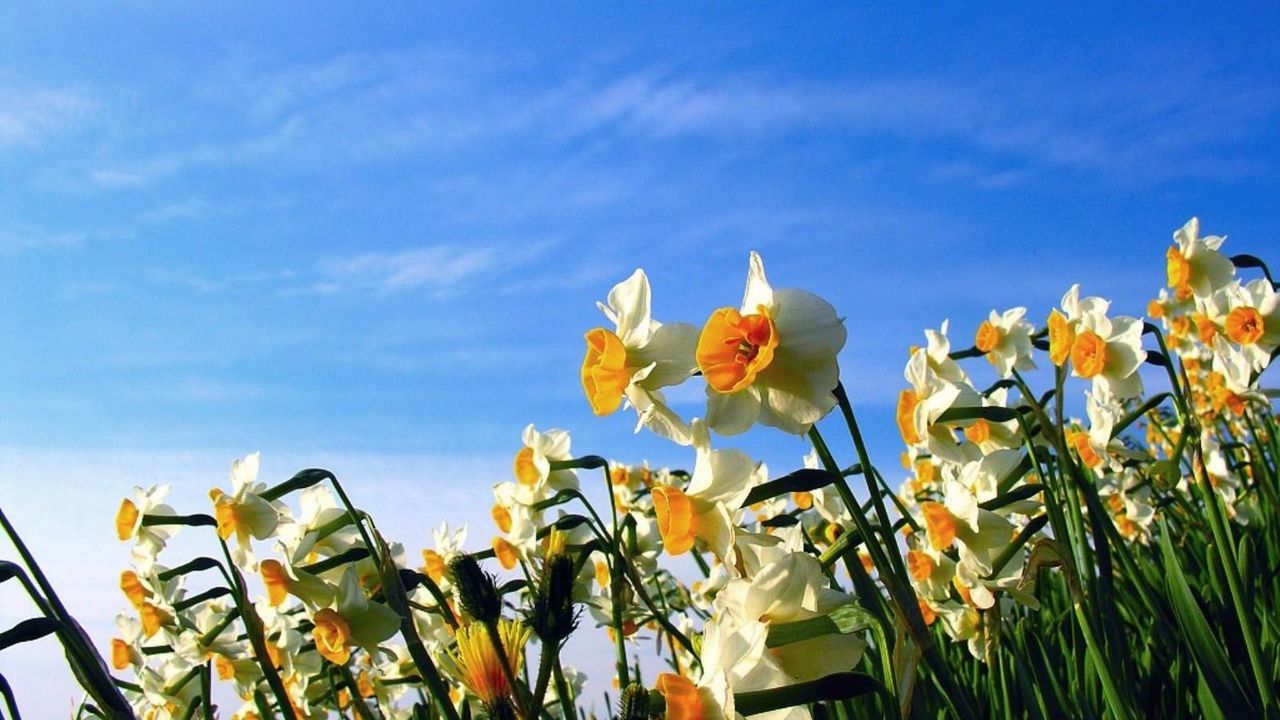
(372, 238)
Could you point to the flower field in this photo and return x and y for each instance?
(1034, 555)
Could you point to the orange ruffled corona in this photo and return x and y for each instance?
(734, 348)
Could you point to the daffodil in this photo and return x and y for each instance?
(1108, 352)
(1195, 266)
(790, 589)
(772, 360)
(354, 621)
(920, 406)
(637, 358)
(149, 539)
(1005, 339)
(1252, 320)
(535, 480)
(707, 509)
(321, 529)
(244, 513)
(447, 544)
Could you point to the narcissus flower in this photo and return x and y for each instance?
(355, 621)
(150, 539)
(244, 513)
(535, 480)
(1109, 352)
(637, 358)
(1195, 267)
(772, 361)
(708, 508)
(920, 406)
(1005, 338)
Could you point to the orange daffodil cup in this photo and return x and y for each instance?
(772, 360)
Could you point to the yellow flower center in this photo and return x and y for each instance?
(1080, 441)
(526, 469)
(803, 500)
(1245, 325)
(979, 432)
(907, 401)
(1205, 328)
(683, 700)
(276, 580)
(1178, 269)
(676, 520)
(1155, 309)
(133, 589)
(501, 517)
(126, 519)
(506, 553)
(920, 565)
(604, 371)
(152, 619)
(1089, 354)
(940, 524)
(226, 669)
(926, 612)
(1061, 336)
(224, 511)
(120, 656)
(433, 564)
(734, 348)
(988, 337)
(926, 471)
(332, 635)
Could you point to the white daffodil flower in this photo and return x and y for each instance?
(1005, 338)
(637, 358)
(771, 361)
(1194, 265)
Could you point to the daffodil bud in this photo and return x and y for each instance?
(635, 703)
(553, 617)
(501, 710)
(476, 588)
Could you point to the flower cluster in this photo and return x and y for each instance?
(788, 595)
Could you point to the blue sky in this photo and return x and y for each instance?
(372, 238)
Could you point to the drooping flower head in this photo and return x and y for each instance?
(772, 361)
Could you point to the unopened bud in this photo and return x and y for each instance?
(635, 703)
(553, 617)
(477, 590)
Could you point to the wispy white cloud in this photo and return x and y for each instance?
(442, 268)
(27, 237)
(28, 117)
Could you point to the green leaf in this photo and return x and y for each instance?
(1025, 492)
(803, 480)
(28, 630)
(1138, 412)
(843, 620)
(1208, 655)
(840, 686)
(990, 413)
(1033, 527)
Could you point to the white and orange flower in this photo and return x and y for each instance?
(772, 360)
(637, 358)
